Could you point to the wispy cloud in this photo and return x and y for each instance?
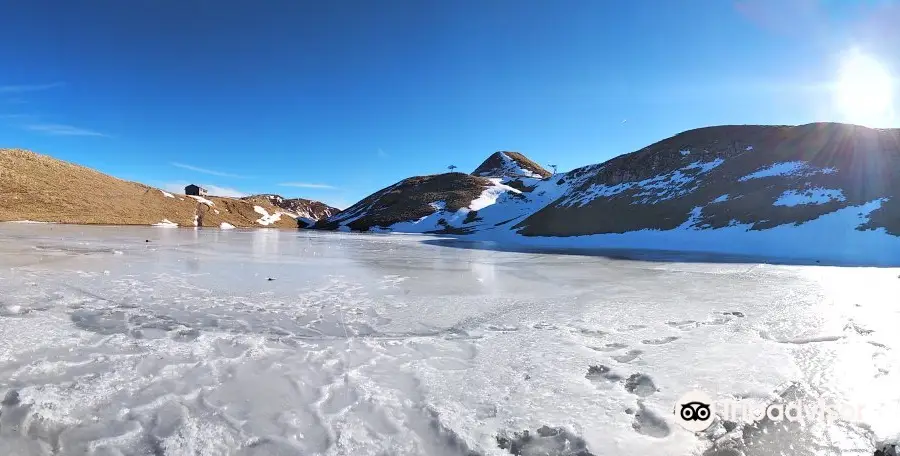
(29, 87)
(211, 172)
(382, 153)
(223, 191)
(63, 130)
(306, 185)
(18, 116)
(215, 190)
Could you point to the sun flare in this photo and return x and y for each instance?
(864, 91)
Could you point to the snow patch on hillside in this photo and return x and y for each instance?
(656, 189)
(266, 219)
(791, 168)
(166, 223)
(441, 218)
(167, 194)
(489, 195)
(226, 226)
(201, 199)
(816, 195)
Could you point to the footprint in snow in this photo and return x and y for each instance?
(640, 385)
(632, 328)
(648, 423)
(592, 332)
(660, 341)
(544, 325)
(610, 347)
(600, 371)
(628, 357)
(683, 325)
(502, 328)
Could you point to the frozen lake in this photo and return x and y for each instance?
(387, 345)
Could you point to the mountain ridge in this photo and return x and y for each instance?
(731, 189)
(36, 187)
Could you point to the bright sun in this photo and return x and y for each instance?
(864, 91)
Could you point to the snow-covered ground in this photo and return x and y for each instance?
(266, 342)
(266, 219)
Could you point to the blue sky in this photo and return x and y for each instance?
(334, 100)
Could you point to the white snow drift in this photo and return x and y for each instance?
(266, 219)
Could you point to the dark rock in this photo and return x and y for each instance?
(11, 398)
(601, 371)
(547, 441)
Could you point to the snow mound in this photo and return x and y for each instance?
(226, 226)
(167, 194)
(166, 223)
(202, 200)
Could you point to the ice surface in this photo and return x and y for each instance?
(394, 345)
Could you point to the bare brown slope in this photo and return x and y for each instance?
(865, 164)
(40, 188)
(409, 199)
(495, 165)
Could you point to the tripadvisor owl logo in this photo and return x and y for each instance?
(695, 411)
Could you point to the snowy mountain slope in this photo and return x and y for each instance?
(297, 207)
(40, 188)
(510, 165)
(824, 192)
(413, 200)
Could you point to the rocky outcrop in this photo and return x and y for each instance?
(506, 164)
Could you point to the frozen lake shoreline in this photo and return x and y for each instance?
(390, 345)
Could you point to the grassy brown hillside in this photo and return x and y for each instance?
(40, 188)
